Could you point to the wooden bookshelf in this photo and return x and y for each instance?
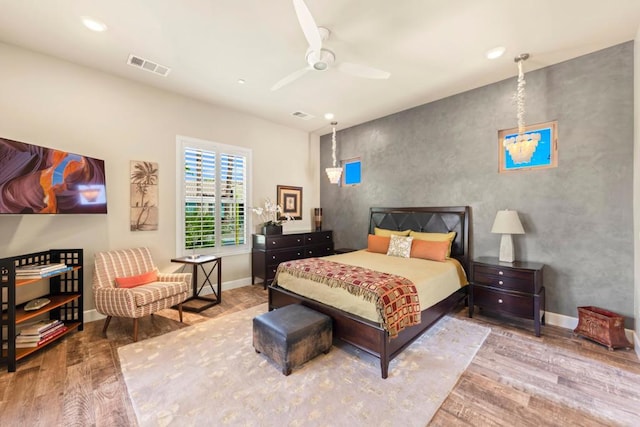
(65, 295)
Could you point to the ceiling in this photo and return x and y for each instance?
(432, 48)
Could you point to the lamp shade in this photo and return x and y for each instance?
(507, 222)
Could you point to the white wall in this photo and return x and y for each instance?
(53, 103)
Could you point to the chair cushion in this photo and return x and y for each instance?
(156, 291)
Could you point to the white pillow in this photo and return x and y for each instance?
(400, 246)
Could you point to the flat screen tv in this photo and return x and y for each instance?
(40, 180)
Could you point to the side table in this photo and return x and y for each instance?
(514, 289)
(344, 250)
(199, 263)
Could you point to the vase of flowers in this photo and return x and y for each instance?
(271, 223)
(269, 229)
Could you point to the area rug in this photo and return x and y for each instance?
(209, 374)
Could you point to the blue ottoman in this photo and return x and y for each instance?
(292, 335)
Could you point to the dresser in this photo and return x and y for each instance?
(270, 250)
(514, 289)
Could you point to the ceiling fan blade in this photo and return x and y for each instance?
(308, 25)
(363, 71)
(290, 78)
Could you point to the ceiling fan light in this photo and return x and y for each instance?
(320, 66)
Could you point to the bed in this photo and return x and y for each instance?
(369, 335)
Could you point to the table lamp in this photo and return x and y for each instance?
(507, 223)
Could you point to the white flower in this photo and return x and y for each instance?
(270, 213)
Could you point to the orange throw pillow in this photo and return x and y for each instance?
(428, 249)
(138, 280)
(378, 244)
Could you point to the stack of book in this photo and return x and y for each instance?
(39, 333)
(40, 270)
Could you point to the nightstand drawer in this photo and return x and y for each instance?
(516, 304)
(506, 278)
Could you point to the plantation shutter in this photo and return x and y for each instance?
(214, 190)
(232, 199)
(200, 198)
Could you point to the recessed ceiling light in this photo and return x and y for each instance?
(496, 52)
(328, 116)
(93, 24)
(241, 81)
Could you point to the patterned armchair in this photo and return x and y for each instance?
(166, 291)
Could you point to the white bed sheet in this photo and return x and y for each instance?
(434, 281)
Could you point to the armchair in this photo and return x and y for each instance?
(137, 300)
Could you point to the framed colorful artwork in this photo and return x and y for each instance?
(290, 199)
(537, 148)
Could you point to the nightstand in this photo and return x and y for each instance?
(511, 288)
(343, 250)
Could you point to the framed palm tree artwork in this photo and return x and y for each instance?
(144, 196)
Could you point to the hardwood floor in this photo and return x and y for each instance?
(515, 379)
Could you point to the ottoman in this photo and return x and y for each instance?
(292, 335)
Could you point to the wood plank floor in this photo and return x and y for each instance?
(515, 379)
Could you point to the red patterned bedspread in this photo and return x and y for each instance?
(395, 297)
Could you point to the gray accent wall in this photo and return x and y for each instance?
(578, 217)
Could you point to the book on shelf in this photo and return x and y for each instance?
(38, 327)
(36, 275)
(39, 268)
(45, 339)
(28, 338)
(37, 336)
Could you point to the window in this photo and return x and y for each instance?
(212, 195)
(352, 171)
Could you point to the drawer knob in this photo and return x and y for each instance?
(298, 253)
(500, 282)
(298, 240)
(273, 243)
(500, 301)
(500, 273)
(310, 252)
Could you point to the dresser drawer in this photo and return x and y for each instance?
(276, 257)
(318, 237)
(283, 241)
(516, 304)
(319, 250)
(271, 273)
(506, 278)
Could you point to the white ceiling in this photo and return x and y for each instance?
(432, 48)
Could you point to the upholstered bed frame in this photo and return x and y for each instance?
(370, 336)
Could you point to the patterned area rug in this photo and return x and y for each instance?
(209, 374)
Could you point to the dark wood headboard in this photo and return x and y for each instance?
(430, 220)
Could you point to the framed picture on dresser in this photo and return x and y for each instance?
(290, 199)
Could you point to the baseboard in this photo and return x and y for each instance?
(550, 318)
(93, 315)
(569, 322)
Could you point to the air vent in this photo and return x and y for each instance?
(302, 115)
(145, 64)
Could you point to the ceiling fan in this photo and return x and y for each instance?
(319, 58)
